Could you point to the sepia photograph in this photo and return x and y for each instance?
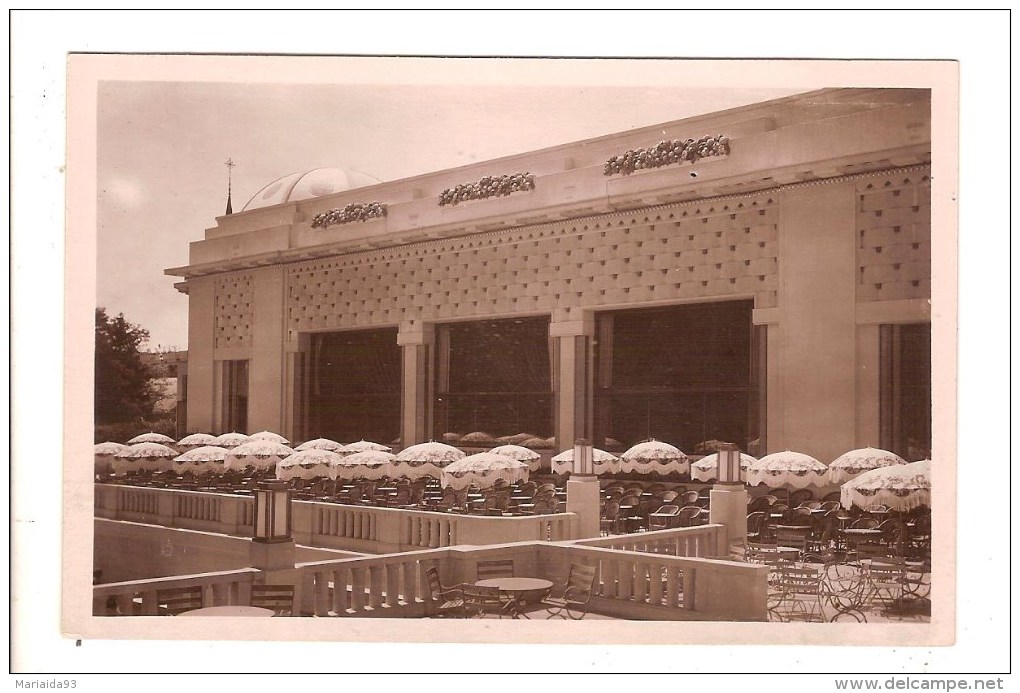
(389, 349)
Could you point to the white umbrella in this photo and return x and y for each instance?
(654, 456)
(363, 445)
(426, 459)
(788, 469)
(195, 440)
(205, 458)
(152, 457)
(604, 462)
(521, 454)
(104, 453)
(270, 436)
(367, 464)
(230, 440)
(853, 463)
(152, 438)
(321, 444)
(901, 487)
(707, 468)
(261, 454)
(482, 470)
(307, 464)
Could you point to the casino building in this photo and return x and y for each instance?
(760, 275)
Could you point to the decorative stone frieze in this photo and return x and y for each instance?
(355, 211)
(489, 186)
(665, 153)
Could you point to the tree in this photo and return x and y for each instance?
(125, 390)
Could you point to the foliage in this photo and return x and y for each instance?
(125, 391)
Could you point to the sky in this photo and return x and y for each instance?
(162, 148)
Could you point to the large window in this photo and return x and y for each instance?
(685, 375)
(494, 377)
(905, 415)
(354, 386)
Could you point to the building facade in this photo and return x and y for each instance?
(760, 275)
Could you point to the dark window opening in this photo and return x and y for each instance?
(494, 377)
(354, 386)
(905, 399)
(235, 396)
(686, 375)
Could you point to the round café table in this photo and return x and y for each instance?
(228, 611)
(518, 591)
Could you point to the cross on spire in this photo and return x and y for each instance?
(229, 163)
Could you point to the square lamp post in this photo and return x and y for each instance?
(583, 494)
(272, 512)
(728, 498)
(728, 469)
(584, 458)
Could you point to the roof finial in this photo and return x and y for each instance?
(229, 163)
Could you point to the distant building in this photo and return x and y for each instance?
(760, 275)
(170, 370)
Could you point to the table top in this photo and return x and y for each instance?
(515, 584)
(229, 611)
(862, 531)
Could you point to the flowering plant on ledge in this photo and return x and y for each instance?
(665, 153)
(489, 186)
(352, 212)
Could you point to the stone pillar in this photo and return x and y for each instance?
(295, 409)
(812, 349)
(201, 342)
(417, 342)
(584, 499)
(728, 506)
(572, 359)
(266, 369)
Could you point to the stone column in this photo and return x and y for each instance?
(572, 358)
(295, 425)
(812, 347)
(201, 342)
(417, 341)
(266, 369)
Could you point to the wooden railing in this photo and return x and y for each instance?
(139, 597)
(705, 541)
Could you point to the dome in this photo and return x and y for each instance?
(309, 184)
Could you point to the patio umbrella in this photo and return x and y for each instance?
(151, 457)
(270, 436)
(307, 464)
(482, 470)
(605, 463)
(363, 445)
(787, 469)
(426, 459)
(230, 440)
(195, 440)
(367, 464)
(707, 467)
(205, 458)
(261, 454)
(853, 463)
(521, 454)
(656, 457)
(152, 438)
(321, 444)
(104, 453)
(901, 487)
